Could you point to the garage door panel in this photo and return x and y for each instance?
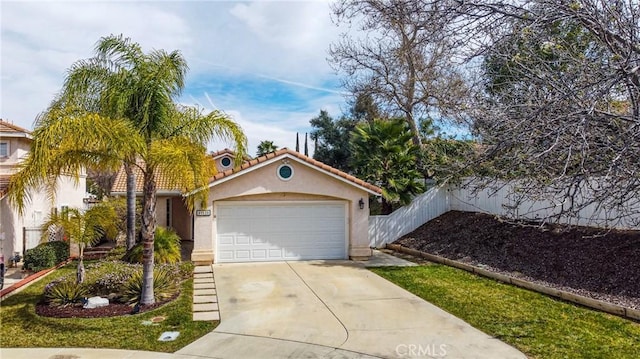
(290, 231)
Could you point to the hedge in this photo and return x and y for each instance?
(46, 255)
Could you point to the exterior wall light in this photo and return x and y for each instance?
(361, 203)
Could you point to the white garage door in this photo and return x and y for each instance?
(270, 231)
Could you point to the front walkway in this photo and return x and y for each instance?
(205, 300)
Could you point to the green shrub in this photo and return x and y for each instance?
(39, 258)
(165, 285)
(60, 249)
(185, 270)
(166, 248)
(107, 277)
(46, 255)
(65, 293)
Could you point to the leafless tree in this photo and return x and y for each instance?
(558, 109)
(400, 56)
(554, 95)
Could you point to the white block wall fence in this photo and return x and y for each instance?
(423, 208)
(442, 199)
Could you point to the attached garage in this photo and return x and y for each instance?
(282, 207)
(276, 231)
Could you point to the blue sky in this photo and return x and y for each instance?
(263, 62)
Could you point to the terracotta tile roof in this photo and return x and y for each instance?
(300, 156)
(10, 127)
(120, 182)
(4, 185)
(226, 151)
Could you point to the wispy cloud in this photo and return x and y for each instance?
(239, 71)
(262, 62)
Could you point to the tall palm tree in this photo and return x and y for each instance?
(133, 92)
(383, 153)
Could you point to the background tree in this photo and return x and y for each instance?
(384, 154)
(168, 139)
(99, 183)
(401, 58)
(265, 147)
(446, 159)
(364, 108)
(332, 140)
(558, 108)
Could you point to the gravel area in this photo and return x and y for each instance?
(586, 261)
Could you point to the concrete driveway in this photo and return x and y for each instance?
(332, 309)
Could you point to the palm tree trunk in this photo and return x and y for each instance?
(80, 272)
(131, 206)
(148, 234)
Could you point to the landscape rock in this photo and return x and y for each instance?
(96, 302)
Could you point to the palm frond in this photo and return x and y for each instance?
(184, 165)
(66, 144)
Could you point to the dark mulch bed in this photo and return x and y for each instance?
(586, 261)
(112, 310)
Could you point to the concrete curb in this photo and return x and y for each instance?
(629, 313)
(6, 292)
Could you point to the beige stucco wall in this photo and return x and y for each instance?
(69, 192)
(219, 166)
(307, 184)
(36, 211)
(180, 217)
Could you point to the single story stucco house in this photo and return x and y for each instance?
(281, 206)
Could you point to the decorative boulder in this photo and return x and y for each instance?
(96, 302)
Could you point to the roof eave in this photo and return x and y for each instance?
(280, 157)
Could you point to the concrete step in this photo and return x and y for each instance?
(206, 316)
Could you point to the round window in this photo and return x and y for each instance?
(225, 162)
(285, 172)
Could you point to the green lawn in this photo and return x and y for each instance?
(539, 326)
(22, 327)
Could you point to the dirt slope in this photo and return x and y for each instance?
(582, 260)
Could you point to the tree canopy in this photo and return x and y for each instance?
(265, 147)
(384, 154)
(119, 108)
(400, 58)
(551, 89)
(331, 137)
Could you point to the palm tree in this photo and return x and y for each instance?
(84, 228)
(266, 147)
(133, 92)
(384, 154)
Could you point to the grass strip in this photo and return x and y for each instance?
(22, 327)
(539, 326)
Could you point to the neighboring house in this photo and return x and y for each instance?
(19, 233)
(281, 206)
